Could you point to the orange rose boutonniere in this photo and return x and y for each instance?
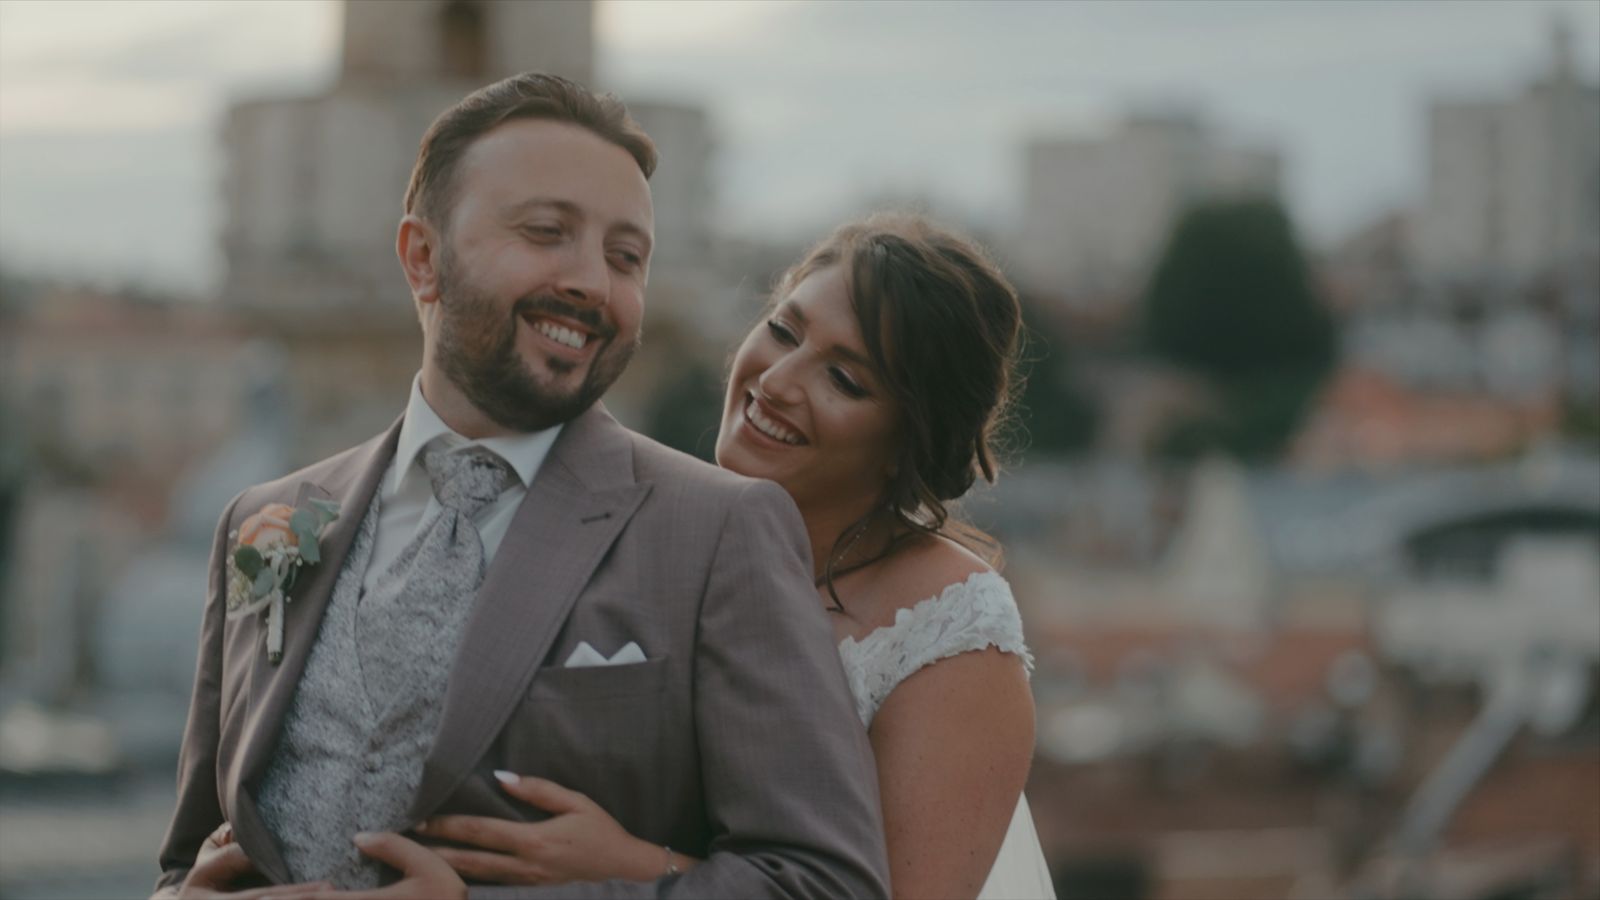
(269, 550)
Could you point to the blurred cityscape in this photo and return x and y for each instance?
(1307, 539)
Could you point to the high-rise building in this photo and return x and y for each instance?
(1096, 210)
(314, 183)
(426, 41)
(680, 189)
(1514, 184)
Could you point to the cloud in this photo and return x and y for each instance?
(112, 205)
(109, 164)
(634, 25)
(825, 101)
(153, 66)
(109, 111)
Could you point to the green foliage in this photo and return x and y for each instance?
(13, 463)
(264, 582)
(303, 523)
(1255, 419)
(249, 560)
(1232, 302)
(326, 510)
(687, 410)
(308, 548)
(1580, 422)
(1057, 415)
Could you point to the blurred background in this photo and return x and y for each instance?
(1303, 505)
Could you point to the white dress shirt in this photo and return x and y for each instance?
(408, 501)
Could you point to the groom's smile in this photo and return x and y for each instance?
(575, 338)
(566, 336)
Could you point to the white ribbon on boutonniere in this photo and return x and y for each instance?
(272, 546)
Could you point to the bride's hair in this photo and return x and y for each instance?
(942, 325)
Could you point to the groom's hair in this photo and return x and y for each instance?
(530, 95)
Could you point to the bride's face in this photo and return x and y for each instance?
(805, 406)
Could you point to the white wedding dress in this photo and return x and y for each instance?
(969, 615)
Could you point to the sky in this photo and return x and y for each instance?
(110, 163)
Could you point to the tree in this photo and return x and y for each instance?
(1232, 302)
(1054, 411)
(12, 478)
(686, 411)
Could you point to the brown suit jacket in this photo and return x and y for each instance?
(736, 740)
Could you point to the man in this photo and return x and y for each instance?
(495, 544)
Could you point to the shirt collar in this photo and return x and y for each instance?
(524, 453)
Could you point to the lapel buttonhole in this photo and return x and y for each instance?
(594, 518)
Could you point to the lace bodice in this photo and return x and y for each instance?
(967, 615)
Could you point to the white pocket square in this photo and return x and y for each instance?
(585, 655)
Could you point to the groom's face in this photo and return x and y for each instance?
(542, 272)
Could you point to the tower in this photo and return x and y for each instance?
(422, 42)
(314, 183)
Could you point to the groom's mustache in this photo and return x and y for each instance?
(548, 305)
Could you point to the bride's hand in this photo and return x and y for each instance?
(579, 842)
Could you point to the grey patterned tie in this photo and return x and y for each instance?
(409, 625)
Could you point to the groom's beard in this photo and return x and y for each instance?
(477, 350)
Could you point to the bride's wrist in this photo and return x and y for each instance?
(646, 860)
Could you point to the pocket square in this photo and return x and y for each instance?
(585, 655)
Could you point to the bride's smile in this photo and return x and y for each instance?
(806, 406)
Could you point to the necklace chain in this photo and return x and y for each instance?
(860, 531)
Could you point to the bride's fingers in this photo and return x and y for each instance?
(284, 891)
(541, 792)
(222, 837)
(496, 867)
(479, 831)
(216, 868)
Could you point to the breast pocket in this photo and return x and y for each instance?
(598, 683)
(595, 729)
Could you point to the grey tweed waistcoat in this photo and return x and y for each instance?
(362, 721)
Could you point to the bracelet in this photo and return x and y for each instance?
(672, 864)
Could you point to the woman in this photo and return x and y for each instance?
(871, 392)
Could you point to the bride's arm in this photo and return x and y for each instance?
(953, 744)
(579, 842)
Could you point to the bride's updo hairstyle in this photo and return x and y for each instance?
(941, 324)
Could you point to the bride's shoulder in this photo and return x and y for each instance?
(937, 601)
(935, 587)
(931, 567)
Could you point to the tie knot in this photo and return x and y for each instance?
(468, 480)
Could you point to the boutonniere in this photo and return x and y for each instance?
(271, 547)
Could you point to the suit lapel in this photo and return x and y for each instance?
(579, 502)
(352, 486)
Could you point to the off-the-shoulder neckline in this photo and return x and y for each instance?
(906, 614)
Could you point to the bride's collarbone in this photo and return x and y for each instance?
(863, 605)
(873, 597)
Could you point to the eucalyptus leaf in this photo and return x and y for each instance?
(303, 522)
(265, 581)
(248, 559)
(326, 510)
(288, 580)
(308, 549)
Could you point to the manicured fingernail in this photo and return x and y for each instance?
(505, 777)
(421, 826)
(364, 838)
